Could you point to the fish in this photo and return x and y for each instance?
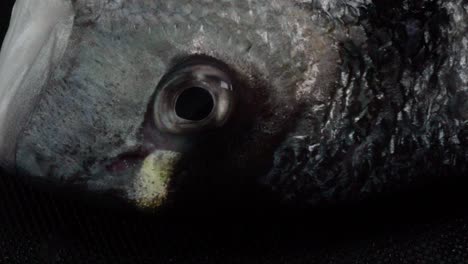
(156, 103)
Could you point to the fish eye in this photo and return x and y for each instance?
(196, 95)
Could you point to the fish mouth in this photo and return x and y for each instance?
(141, 178)
(133, 179)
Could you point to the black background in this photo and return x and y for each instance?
(428, 225)
(5, 8)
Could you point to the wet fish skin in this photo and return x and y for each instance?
(354, 100)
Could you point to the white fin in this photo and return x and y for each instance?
(35, 42)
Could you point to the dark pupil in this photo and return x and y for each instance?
(194, 104)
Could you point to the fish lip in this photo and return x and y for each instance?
(131, 158)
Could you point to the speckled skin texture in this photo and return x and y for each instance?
(339, 99)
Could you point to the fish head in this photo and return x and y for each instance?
(152, 100)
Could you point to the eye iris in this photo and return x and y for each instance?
(194, 104)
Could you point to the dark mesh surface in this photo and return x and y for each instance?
(421, 227)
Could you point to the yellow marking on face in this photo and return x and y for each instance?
(150, 187)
